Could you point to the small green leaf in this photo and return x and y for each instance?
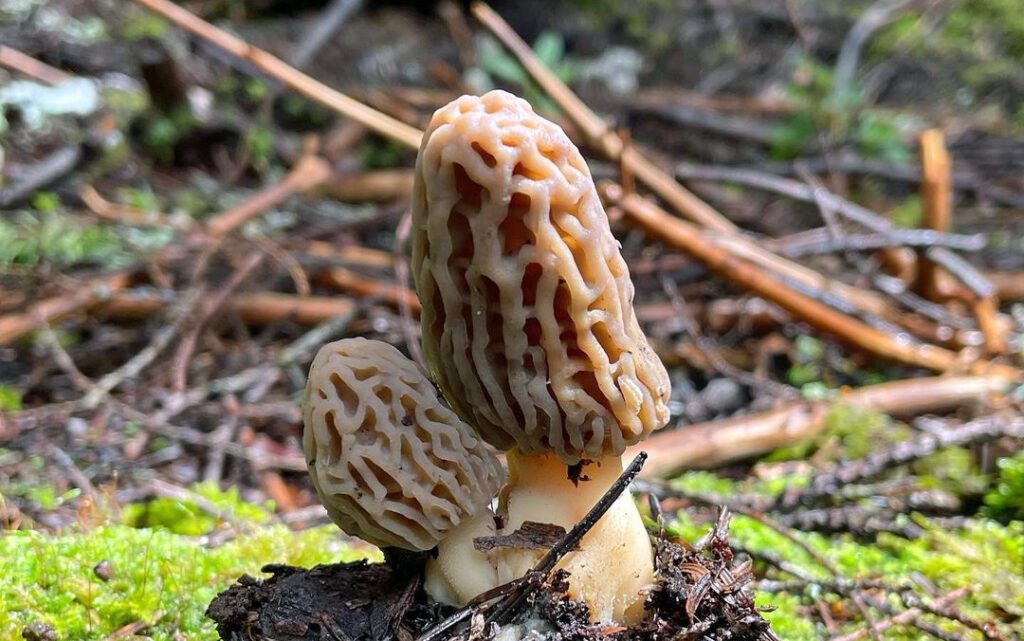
(549, 47)
(10, 399)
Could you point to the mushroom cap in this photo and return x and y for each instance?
(527, 305)
(390, 462)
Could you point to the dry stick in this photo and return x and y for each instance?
(29, 66)
(1009, 285)
(906, 617)
(143, 358)
(685, 236)
(827, 483)
(936, 203)
(210, 306)
(714, 443)
(308, 172)
(986, 628)
(818, 241)
(46, 171)
(506, 608)
(966, 273)
(403, 277)
(281, 71)
(594, 128)
(875, 17)
(127, 215)
(371, 186)
(741, 247)
(598, 134)
(986, 311)
(394, 294)
(254, 309)
(52, 310)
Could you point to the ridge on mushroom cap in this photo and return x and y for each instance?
(527, 305)
(390, 462)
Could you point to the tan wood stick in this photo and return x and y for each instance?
(715, 443)
(282, 71)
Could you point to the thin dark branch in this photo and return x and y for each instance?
(505, 609)
(983, 429)
(815, 242)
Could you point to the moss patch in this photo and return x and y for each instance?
(88, 583)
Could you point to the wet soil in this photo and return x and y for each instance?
(701, 593)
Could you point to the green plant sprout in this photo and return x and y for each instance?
(494, 63)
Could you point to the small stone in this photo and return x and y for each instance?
(38, 632)
(722, 395)
(103, 570)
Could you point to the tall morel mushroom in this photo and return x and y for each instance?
(529, 331)
(395, 467)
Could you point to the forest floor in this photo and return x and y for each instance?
(181, 229)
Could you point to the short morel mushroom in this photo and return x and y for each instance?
(529, 331)
(395, 467)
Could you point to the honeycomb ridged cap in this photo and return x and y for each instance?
(527, 304)
(390, 462)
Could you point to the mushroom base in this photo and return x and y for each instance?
(460, 572)
(615, 562)
(366, 601)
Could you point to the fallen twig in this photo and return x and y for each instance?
(283, 72)
(51, 310)
(714, 443)
(29, 66)
(47, 171)
(936, 203)
(371, 186)
(979, 430)
(597, 132)
(690, 239)
(264, 308)
(874, 17)
(907, 616)
(505, 609)
(816, 241)
(966, 273)
(308, 172)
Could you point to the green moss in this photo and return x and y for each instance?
(787, 618)
(981, 39)
(982, 554)
(10, 398)
(51, 236)
(1005, 501)
(186, 517)
(700, 482)
(155, 574)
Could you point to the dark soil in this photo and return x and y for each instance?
(701, 593)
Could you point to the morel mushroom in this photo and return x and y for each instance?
(395, 467)
(529, 331)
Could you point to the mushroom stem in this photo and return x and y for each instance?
(460, 572)
(615, 562)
